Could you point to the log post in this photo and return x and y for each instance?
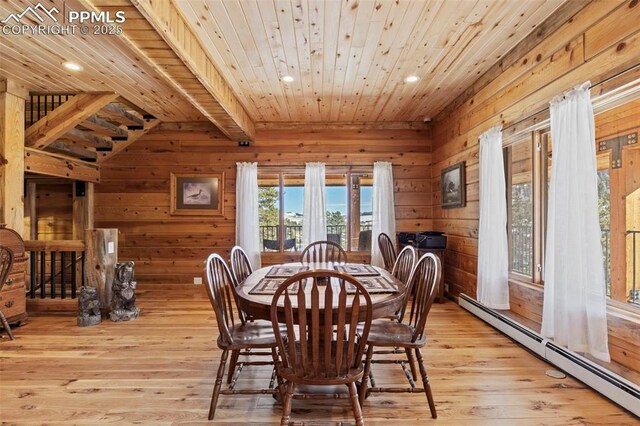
(101, 256)
(12, 105)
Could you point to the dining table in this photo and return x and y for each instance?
(255, 294)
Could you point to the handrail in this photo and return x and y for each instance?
(54, 245)
(64, 259)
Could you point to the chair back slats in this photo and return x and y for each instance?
(6, 262)
(387, 250)
(221, 295)
(323, 251)
(321, 338)
(240, 265)
(404, 264)
(423, 284)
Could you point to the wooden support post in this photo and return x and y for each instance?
(12, 104)
(101, 256)
(30, 211)
(82, 208)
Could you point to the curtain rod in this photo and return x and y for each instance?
(606, 80)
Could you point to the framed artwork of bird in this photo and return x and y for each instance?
(197, 194)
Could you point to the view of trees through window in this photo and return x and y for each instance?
(281, 199)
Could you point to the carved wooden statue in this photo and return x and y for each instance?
(88, 307)
(123, 306)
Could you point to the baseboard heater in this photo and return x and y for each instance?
(609, 384)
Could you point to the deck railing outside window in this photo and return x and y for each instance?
(522, 251)
(269, 236)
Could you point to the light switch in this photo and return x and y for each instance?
(111, 247)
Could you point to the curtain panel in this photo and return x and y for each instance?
(247, 216)
(314, 220)
(384, 215)
(493, 248)
(574, 310)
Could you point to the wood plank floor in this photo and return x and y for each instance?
(160, 369)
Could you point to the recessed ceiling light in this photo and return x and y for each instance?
(412, 79)
(72, 66)
(287, 79)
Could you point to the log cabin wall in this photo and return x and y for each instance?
(133, 195)
(600, 41)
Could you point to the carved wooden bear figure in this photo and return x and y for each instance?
(88, 307)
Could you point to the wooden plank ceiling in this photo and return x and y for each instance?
(109, 65)
(349, 58)
(140, 65)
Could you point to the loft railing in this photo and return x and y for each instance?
(56, 268)
(40, 105)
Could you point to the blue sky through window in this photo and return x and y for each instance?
(336, 199)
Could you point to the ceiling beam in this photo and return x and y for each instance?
(64, 118)
(225, 111)
(49, 164)
(134, 135)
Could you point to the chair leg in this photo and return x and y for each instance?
(281, 384)
(5, 324)
(365, 376)
(425, 383)
(412, 363)
(235, 354)
(357, 410)
(286, 405)
(218, 385)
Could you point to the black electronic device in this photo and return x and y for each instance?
(432, 240)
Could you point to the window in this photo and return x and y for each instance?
(528, 157)
(281, 200)
(519, 180)
(361, 211)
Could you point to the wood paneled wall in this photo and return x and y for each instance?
(134, 193)
(600, 41)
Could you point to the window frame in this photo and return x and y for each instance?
(283, 171)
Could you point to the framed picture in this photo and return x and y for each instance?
(452, 181)
(197, 194)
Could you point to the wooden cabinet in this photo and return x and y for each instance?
(440, 254)
(12, 297)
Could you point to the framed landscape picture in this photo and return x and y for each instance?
(452, 181)
(197, 194)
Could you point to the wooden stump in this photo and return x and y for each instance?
(101, 256)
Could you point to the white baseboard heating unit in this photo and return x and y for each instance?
(611, 385)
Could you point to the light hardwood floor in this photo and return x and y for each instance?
(160, 369)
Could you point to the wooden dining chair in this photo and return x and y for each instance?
(404, 264)
(323, 346)
(236, 335)
(387, 251)
(240, 265)
(407, 333)
(323, 251)
(6, 263)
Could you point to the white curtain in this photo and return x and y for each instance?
(574, 311)
(384, 214)
(493, 248)
(247, 217)
(314, 220)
